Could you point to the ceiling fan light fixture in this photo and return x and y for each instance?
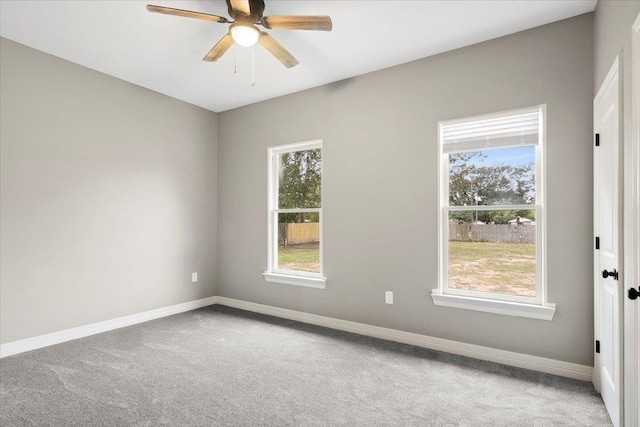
(245, 15)
(244, 35)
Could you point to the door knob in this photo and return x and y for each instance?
(613, 273)
(633, 294)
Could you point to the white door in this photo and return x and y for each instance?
(608, 291)
(632, 243)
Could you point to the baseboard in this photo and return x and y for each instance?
(40, 341)
(519, 360)
(535, 363)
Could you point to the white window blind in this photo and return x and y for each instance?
(506, 131)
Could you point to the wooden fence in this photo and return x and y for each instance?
(466, 232)
(309, 232)
(297, 233)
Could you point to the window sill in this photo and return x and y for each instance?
(290, 279)
(541, 312)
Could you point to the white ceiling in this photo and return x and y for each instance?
(163, 53)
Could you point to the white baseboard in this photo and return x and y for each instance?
(40, 341)
(519, 360)
(534, 363)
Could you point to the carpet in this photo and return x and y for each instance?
(222, 366)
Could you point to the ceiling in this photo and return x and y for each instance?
(163, 53)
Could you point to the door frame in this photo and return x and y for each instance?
(615, 73)
(631, 226)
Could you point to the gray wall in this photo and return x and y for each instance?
(612, 35)
(380, 188)
(108, 196)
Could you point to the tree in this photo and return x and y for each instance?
(300, 184)
(462, 173)
(524, 183)
(472, 184)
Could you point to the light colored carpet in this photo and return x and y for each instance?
(221, 366)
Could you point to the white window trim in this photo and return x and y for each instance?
(509, 308)
(535, 308)
(278, 275)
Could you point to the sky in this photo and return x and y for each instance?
(513, 156)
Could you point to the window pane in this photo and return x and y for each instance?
(300, 178)
(299, 242)
(501, 176)
(493, 251)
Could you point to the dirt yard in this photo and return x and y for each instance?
(506, 268)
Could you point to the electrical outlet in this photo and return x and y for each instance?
(194, 277)
(388, 297)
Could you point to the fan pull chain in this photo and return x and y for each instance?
(253, 65)
(235, 61)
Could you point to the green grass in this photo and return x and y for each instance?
(305, 257)
(506, 268)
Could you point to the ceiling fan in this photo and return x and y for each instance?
(246, 14)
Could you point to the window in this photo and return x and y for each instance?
(492, 217)
(295, 215)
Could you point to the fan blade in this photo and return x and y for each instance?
(186, 13)
(321, 23)
(277, 50)
(219, 49)
(241, 6)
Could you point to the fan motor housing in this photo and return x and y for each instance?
(256, 7)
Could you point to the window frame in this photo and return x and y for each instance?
(273, 273)
(533, 307)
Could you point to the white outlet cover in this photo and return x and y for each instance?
(388, 297)
(194, 277)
